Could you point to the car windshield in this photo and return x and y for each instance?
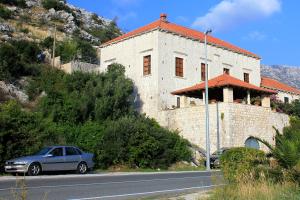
(43, 151)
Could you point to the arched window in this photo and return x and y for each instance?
(252, 143)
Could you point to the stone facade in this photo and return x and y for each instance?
(237, 122)
(78, 66)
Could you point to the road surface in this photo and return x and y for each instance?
(107, 186)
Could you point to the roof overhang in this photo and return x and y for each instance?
(222, 82)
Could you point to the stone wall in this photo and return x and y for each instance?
(78, 66)
(237, 122)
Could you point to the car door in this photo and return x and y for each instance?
(55, 160)
(72, 158)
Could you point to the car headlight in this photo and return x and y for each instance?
(20, 162)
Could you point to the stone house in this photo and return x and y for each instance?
(166, 63)
(285, 93)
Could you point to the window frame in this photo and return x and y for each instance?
(179, 67)
(226, 71)
(62, 149)
(74, 149)
(147, 68)
(286, 100)
(246, 77)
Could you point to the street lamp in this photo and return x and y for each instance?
(206, 104)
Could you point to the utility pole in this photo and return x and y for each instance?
(53, 50)
(218, 129)
(206, 105)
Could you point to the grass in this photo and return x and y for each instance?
(257, 190)
(181, 166)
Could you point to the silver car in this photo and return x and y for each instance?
(54, 158)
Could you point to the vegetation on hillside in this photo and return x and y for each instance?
(18, 58)
(20, 3)
(92, 111)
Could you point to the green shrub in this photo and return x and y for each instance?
(238, 163)
(140, 142)
(20, 3)
(19, 131)
(17, 59)
(47, 42)
(5, 13)
(56, 4)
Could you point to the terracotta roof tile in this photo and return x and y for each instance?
(162, 24)
(221, 81)
(276, 85)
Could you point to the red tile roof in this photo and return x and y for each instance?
(222, 81)
(163, 24)
(276, 85)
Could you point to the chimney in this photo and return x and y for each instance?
(163, 17)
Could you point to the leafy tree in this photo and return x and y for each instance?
(9, 62)
(18, 132)
(5, 13)
(286, 151)
(108, 33)
(287, 145)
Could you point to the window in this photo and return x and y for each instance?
(179, 67)
(57, 152)
(147, 65)
(202, 72)
(252, 143)
(246, 77)
(286, 100)
(70, 151)
(178, 102)
(226, 71)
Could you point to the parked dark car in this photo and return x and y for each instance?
(215, 157)
(54, 158)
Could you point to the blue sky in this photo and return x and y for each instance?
(269, 28)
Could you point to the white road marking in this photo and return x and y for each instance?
(117, 182)
(145, 193)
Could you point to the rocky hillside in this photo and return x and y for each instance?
(286, 74)
(35, 20)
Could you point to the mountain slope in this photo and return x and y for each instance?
(36, 19)
(286, 74)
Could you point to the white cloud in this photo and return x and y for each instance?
(231, 13)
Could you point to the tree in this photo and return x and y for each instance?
(55, 4)
(9, 64)
(287, 145)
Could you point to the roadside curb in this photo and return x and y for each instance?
(9, 178)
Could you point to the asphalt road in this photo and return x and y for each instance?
(107, 186)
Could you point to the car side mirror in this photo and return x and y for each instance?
(48, 156)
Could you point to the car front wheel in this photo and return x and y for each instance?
(34, 169)
(82, 168)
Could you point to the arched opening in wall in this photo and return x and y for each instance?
(252, 143)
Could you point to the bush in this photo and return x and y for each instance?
(47, 42)
(20, 3)
(56, 4)
(140, 142)
(18, 132)
(5, 13)
(17, 59)
(239, 163)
